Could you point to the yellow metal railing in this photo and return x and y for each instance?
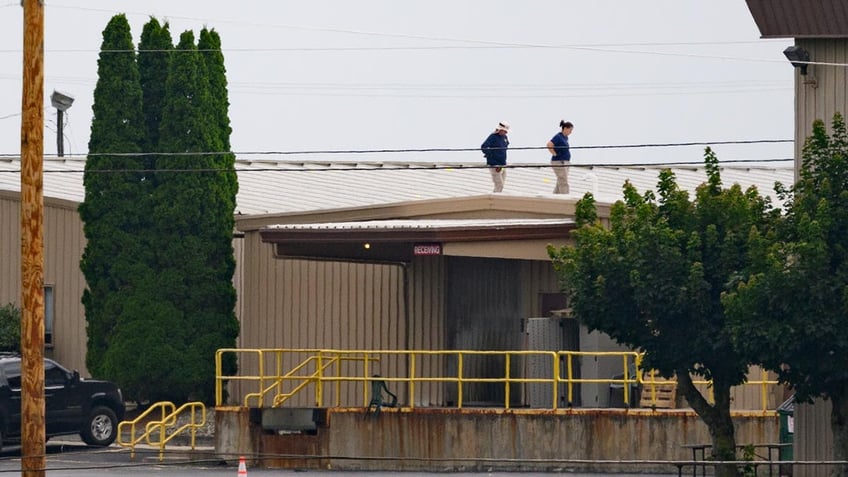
(317, 368)
(162, 429)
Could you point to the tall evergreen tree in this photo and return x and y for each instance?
(194, 223)
(226, 180)
(115, 192)
(154, 59)
(209, 46)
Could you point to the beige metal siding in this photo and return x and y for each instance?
(427, 323)
(539, 278)
(318, 304)
(10, 250)
(63, 245)
(813, 439)
(822, 92)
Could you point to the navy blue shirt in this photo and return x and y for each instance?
(563, 151)
(494, 148)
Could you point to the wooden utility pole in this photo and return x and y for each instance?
(33, 459)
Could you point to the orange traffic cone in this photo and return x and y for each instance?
(242, 471)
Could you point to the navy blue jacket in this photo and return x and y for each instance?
(563, 151)
(494, 148)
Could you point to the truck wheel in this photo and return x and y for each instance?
(100, 427)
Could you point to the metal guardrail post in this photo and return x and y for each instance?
(506, 382)
(261, 357)
(319, 386)
(411, 396)
(556, 378)
(459, 381)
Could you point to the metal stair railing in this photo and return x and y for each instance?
(163, 427)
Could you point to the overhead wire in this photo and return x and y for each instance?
(429, 150)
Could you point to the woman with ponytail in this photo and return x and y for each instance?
(561, 156)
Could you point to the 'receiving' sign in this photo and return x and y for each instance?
(427, 249)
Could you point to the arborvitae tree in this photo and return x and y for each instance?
(226, 181)
(114, 210)
(209, 46)
(154, 59)
(194, 225)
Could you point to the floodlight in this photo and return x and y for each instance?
(61, 101)
(798, 56)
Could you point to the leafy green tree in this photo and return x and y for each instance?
(10, 328)
(113, 211)
(792, 316)
(154, 58)
(194, 223)
(653, 280)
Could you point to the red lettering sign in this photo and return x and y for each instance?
(427, 249)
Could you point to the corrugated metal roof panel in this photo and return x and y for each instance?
(267, 187)
(421, 224)
(800, 18)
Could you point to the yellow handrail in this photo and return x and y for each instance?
(169, 421)
(170, 413)
(326, 359)
(167, 409)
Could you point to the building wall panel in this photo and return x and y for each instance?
(822, 91)
(300, 304)
(63, 245)
(813, 439)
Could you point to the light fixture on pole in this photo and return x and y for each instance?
(798, 56)
(60, 101)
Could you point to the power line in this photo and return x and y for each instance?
(426, 150)
(725, 164)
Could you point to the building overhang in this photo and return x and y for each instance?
(402, 240)
(800, 18)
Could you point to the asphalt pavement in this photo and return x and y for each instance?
(71, 458)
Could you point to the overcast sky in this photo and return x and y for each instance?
(388, 74)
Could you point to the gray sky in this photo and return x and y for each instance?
(389, 74)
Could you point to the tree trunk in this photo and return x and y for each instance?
(716, 417)
(839, 427)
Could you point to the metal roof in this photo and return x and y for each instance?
(423, 224)
(279, 187)
(800, 18)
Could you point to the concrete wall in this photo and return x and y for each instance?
(479, 439)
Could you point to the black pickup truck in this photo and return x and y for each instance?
(73, 405)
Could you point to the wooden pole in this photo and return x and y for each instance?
(33, 459)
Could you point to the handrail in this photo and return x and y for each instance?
(167, 409)
(260, 396)
(560, 372)
(167, 421)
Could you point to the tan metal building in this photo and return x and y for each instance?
(820, 31)
(306, 285)
(63, 281)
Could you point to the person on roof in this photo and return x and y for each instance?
(561, 156)
(494, 149)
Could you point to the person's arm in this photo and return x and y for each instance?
(551, 148)
(486, 146)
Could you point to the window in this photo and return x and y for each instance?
(48, 315)
(54, 376)
(13, 374)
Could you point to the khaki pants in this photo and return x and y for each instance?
(561, 172)
(498, 177)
